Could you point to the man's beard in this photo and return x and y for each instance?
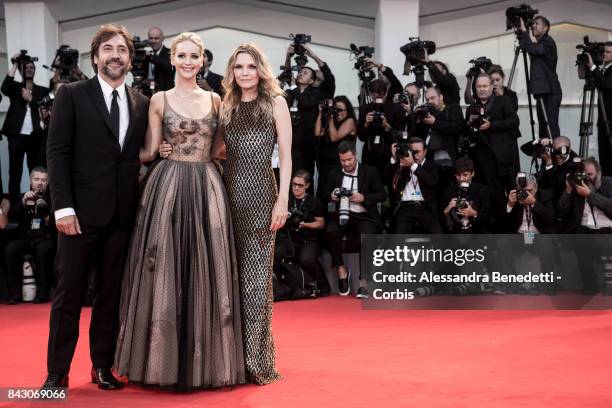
(114, 74)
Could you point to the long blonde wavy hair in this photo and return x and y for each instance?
(187, 36)
(268, 87)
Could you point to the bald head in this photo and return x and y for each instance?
(561, 141)
(156, 38)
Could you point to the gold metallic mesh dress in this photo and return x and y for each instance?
(252, 192)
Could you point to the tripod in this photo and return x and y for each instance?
(586, 126)
(419, 80)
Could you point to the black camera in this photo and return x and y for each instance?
(328, 110)
(37, 206)
(540, 150)
(342, 192)
(514, 15)
(402, 98)
(577, 174)
(462, 195)
(295, 217)
(23, 58)
(65, 61)
(425, 109)
(476, 114)
(140, 62)
(298, 47)
(47, 101)
(402, 150)
(521, 183)
(594, 49)
(415, 50)
(361, 53)
(478, 65)
(378, 110)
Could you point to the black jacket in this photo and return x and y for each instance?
(164, 74)
(543, 55)
(571, 206)
(18, 106)
(88, 170)
(603, 79)
(376, 153)
(24, 216)
(543, 214)
(368, 183)
(395, 86)
(480, 199)
(427, 175)
(446, 130)
(214, 80)
(447, 83)
(554, 178)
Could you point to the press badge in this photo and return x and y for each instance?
(529, 237)
(416, 196)
(36, 223)
(405, 135)
(377, 139)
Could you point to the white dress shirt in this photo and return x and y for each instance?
(28, 125)
(412, 190)
(350, 182)
(124, 120)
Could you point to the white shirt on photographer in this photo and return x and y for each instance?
(350, 182)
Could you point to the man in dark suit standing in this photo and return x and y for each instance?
(544, 84)
(22, 122)
(95, 136)
(208, 80)
(159, 68)
(603, 81)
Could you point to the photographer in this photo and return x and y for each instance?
(603, 81)
(497, 77)
(334, 124)
(22, 122)
(586, 208)
(558, 161)
(65, 67)
(469, 203)
(208, 80)
(394, 85)
(416, 179)
(377, 120)
(303, 102)
(544, 84)
(529, 209)
(299, 239)
(443, 79)
(492, 125)
(159, 68)
(356, 189)
(37, 237)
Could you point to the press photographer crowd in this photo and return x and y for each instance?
(425, 165)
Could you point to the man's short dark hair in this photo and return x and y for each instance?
(544, 20)
(209, 56)
(464, 164)
(346, 146)
(38, 169)
(378, 86)
(496, 69)
(414, 140)
(305, 174)
(105, 33)
(608, 44)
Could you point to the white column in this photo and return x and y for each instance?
(31, 27)
(396, 22)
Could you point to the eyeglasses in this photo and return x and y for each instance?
(298, 185)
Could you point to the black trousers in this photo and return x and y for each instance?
(43, 252)
(358, 224)
(590, 254)
(551, 104)
(605, 149)
(306, 255)
(106, 246)
(411, 215)
(19, 146)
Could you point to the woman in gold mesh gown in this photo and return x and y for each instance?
(180, 322)
(255, 116)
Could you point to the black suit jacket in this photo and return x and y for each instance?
(214, 80)
(446, 131)
(17, 109)
(480, 199)
(571, 206)
(603, 79)
(543, 214)
(88, 170)
(164, 74)
(368, 183)
(428, 177)
(543, 55)
(447, 83)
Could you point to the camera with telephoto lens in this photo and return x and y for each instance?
(521, 184)
(514, 15)
(414, 51)
(595, 50)
(476, 114)
(328, 110)
(540, 150)
(299, 40)
(425, 109)
(23, 58)
(361, 53)
(37, 205)
(577, 174)
(479, 65)
(65, 61)
(343, 194)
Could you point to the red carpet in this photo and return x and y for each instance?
(334, 354)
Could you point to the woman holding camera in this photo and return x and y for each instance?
(336, 122)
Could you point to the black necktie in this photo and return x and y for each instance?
(114, 114)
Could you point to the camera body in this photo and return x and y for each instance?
(476, 114)
(328, 111)
(540, 150)
(140, 62)
(37, 206)
(577, 174)
(47, 101)
(23, 58)
(594, 49)
(521, 187)
(414, 51)
(463, 201)
(403, 150)
(365, 74)
(514, 15)
(425, 109)
(66, 60)
(478, 64)
(295, 217)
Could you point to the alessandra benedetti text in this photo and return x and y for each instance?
(493, 277)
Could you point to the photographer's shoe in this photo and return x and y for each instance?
(105, 379)
(362, 293)
(344, 288)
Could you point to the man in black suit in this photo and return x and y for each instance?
(586, 208)
(557, 165)
(530, 209)
(544, 84)
(492, 125)
(208, 80)
(603, 80)
(95, 135)
(415, 179)
(159, 68)
(443, 79)
(22, 123)
(367, 190)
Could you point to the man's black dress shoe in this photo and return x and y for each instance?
(55, 380)
(105, 379)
